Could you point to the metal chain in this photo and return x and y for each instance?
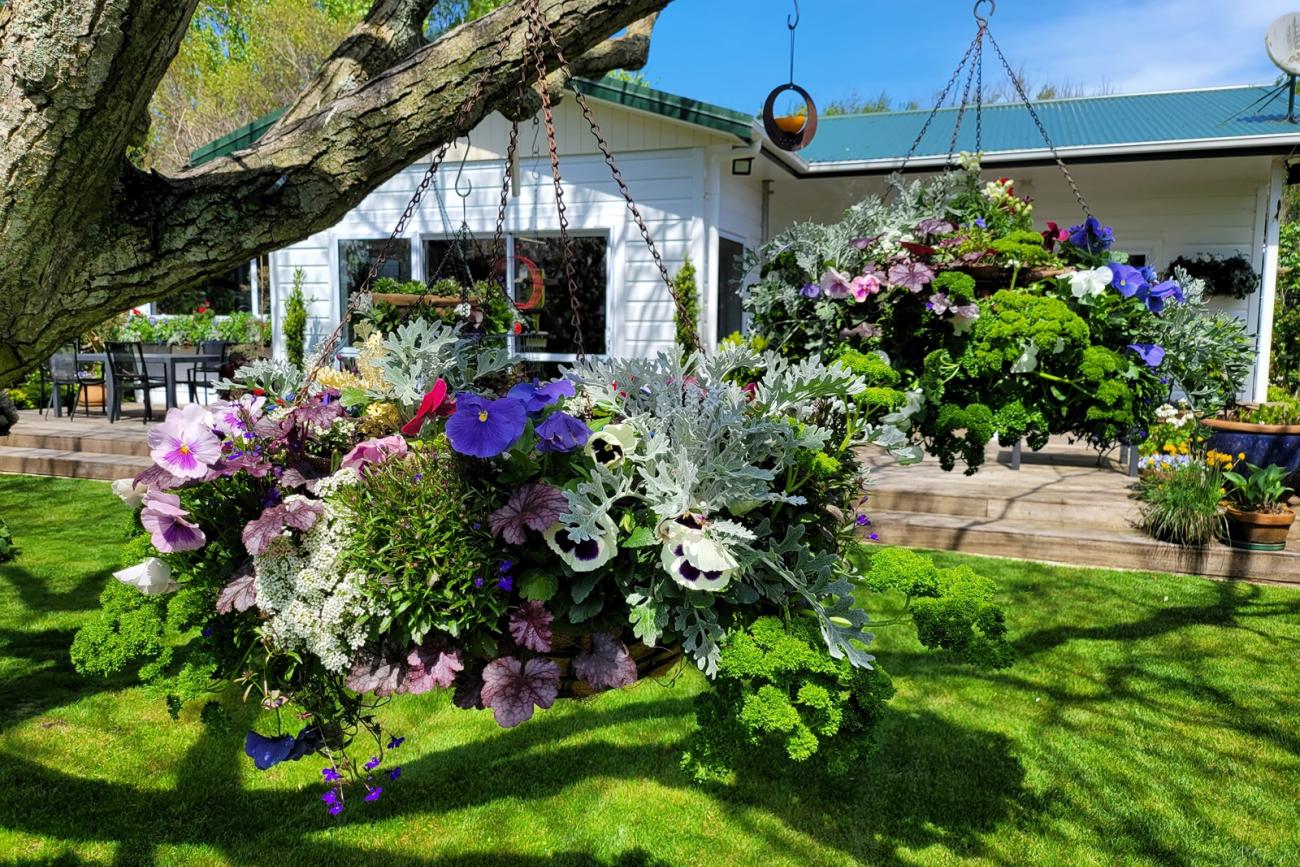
(1038, 121)
(979, 93)
(943, 97)
(965, 97)
(548, 121)
(683, 313)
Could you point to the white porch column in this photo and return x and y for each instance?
(1268, 283)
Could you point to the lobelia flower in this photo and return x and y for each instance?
(834, 284)
(434, 403)
(1088, 284)
(1151, 353)
(534, 506)
(375, 451)
(168, 524)
(810, 290)
(1128, 281)
(537, 396)
(1092, 237)
(611, 445)
(153, 577)
(864, 287)
(484, 429)
(130, 491)
(588, 554)
(561, 433)
(693, 560)
(184, 445)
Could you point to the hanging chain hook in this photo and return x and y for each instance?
(984, 19)
(460, 173)
(792, 24)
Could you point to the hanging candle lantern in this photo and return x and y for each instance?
(790, 132)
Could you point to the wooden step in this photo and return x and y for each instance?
(1083, 546)
(70, 464)
(1060, 509)
(129, 441)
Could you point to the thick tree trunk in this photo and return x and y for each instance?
(83, 234)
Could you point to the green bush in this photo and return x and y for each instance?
(688, 329)
(8, 550)
(1181, 504)
(294, 327)
(1285, 367)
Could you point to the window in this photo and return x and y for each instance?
(731, 276)
(1137, 260)
(229, 293)
(539, 264)
(450, 259)
(357, 257)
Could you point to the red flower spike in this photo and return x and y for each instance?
(432, 405)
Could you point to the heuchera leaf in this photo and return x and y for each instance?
(469, 689)
(538, 585)
(607, 665)
(536, 506)
(240, 594)
(376, 670)
(299, 514)
(512, 687)
(429, 665)
(530, 626)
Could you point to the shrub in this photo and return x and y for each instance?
(686, 289)
(8, 413)
(1285, 369)
(294, 328)
(8, 550)
(1231, 277)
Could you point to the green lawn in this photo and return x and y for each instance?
(1149, 719)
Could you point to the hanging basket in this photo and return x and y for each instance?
(650, 661)
(790, 132)
(993, 278)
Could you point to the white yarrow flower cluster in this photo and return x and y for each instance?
(314, 606)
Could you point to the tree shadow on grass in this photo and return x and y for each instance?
(931, 783)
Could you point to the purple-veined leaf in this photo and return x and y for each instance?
(240, 594)
(299, 514)
(512, 687)
(607, 665)
(377, 670)
(429, 665)
(530, 626)
(535, 506)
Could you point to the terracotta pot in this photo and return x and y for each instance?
(1259, 531)
(94, 396)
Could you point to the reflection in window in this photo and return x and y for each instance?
(539, 264)
(731, 273)
(223, 295)
(450, 259)
(357, 257)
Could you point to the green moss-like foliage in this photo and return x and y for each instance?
(1022, 248)
(880, 396)
(1015, 421)
(8, 550)
(778, 689)
(954, 284)
(953, 608)
(961, 430)
(1012, 318)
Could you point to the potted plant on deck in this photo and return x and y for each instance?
(1258, 520)
(1267, 434)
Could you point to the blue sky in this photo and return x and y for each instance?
(732, 52)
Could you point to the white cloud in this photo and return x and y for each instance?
(1144, 45)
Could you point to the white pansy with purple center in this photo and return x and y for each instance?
(184, 443)
(694, 560)
(586, 554)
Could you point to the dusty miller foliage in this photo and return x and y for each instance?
(704, 451)
(420, 352)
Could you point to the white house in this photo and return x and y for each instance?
(1178, 173)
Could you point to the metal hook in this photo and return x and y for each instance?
(983, 19)
(795, 23)
(460, 173)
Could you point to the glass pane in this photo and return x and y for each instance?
(539, 263)
(731, 274)
(356, 258)
(449, 259)
(222, 295)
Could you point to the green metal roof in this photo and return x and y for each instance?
(1137, 119)
(246, 136)
(624, 93)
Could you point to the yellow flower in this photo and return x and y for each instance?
(340, 379)
(380, 418)
(1241, 456)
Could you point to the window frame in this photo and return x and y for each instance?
(604, 234)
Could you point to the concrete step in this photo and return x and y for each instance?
(1082, 545)
(70, 464)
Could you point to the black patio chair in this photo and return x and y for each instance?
(127, 367)
(65, 371)
(206, 374)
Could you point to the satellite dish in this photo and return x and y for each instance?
(1283, 43)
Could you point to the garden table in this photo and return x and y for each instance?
(168, 360)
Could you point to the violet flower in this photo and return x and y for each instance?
(484, 429)
(810, 290)
(1161, 293)
(835, 284)
(184, 445)
(1128, 281)
(561, 433)
(168, 524)
(1151, 353)
(537, 396)
(1092, 237)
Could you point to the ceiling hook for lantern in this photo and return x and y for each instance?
(460, 173)
(984, 19)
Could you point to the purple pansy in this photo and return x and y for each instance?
(1151, 353)
(561, 433)
(1128, 281)
(1162, 293)
(1092, 237)
(374, 452)
(184, 445)
(168, 524)
(835, 284)
(537, 396)
(485, 428)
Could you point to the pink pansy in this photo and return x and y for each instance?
(835, 284)
(374, 452)
(864, 287)
(235, 418)
(168, 524)
(184, 445)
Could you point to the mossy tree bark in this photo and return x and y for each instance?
(84, 233)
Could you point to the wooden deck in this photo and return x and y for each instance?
(1062, 506)
(78, 448)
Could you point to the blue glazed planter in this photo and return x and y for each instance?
(1263, 444)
